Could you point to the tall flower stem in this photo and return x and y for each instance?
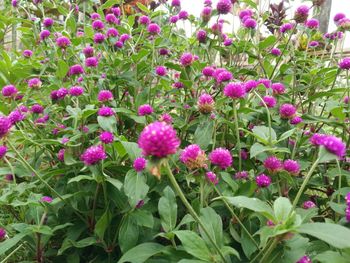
(306, 180)
(237, 135)
(191, 210)
(268, 117)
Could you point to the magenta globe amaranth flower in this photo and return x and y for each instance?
(154, 29)
(173, 19)
(193, 157)
(291, 166)
(276, 52)
(287, 111)
(161, 71)
(44, 34)
(27, 53)
(140, 164)
(296, 120)
(241, 175)
(235, 90)
(312, 23)
(93, 155)
(158, 139)
(37, 108)
(91, 62)
(99, 38)
(34, 83)
(186, 59)
(345, 63)
(334, 145)
(63, 42)
(201, 36)
(176, 3)
(222, 75)
(278, 88)
(48, 22)
(112, 32)
(301, 14)
(75, 70)
(95, 16)
(250, 85)
(16, 116)
(224, 6)
(166, 118)
(208, 71)
(245, 13)
(9, 91)
(111, 19)
(250, 23)
(304, 259)
(273, 164)
(206, 13)
(286, 27)
(76, 91)
(263, 180)
(308, 204)
(344, 24)
(228, 42)
(105, 111)
(60, 155)
(205, 103)
(221, 157)
(145, 110)
(3, 151)
(98, 25)
(2, 234)
(338, 17)
(62, 93)
(212, 177)
(183, 15)
(105, 95)
(5, 126)
(46, 199)
(106, 137)
(144, 20)
(88, 51)
(266, 82)
(269, 101)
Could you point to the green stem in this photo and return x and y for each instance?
(11, 254)
(270, 249)
(339, 182)
(12, 169)
(306, 180)
(236, 217)
(268, 117)
(191, 210)
(237, 135)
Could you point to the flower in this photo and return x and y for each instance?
(9, 91)
(304, 259)
(60, 155)
(93, 155)
(88, 51)
(266, 82)
(46, 199)
(263, 180)
(98, 25)
(241, 175)
(270, 101)
(345, 63)
(145, 109)
(176, 3)
(286, 27)
(308, 205)
(173, 19)
(278, 88)
(221, 157)
(158, 139)
(201, 36)
(250, 23)
(338, 17)
(186, 59)
(48, 22)
(16, 116)
(228, 42)
(296, 120)
(144, 20)
(63, 42)
(334, 145)
(27, 53)
(105, 95)
(76, 91)
(287, 111)
(245, 13)
(44, 34)
(205, 103)
(166, 118)
(91, 62)
(206, 13)
(291, 166)
(106, 137)
(301, 14)
(75, 70)
(273, 164)
(224, 6)
(312, 23)
(235, 90)
(193, 157)
(61, 93)
(5, 126)
(222, 75)
(212, 177)
(3, 151)
(140, 164)
(183, 15)
(34, 83)
(276, 52)
(250, 85)
(2, 234)
(347, 214)
(37, 108)
(105, 111)
(116, 11)
(208, 71)
(347, 199)
(95, 16)
(111, 19)
(161, 71)
(154, 29)
(112, 32)
(99, 38)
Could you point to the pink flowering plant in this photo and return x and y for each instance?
(125, 138)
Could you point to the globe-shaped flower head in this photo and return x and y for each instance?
(193, 157)
(106, 137)
(263, 180)
(145, 109)
(273, 164)
(221, 157)
(235, 90)
(301, 14)
(287, 111)
(224, 6)
(291, 166)
(9, 91)
(5, 125)
(93, 155)
(345, 63)
(158, 139)
(205, 103)
(140, 164)
(63, 42)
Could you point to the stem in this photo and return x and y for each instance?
(339, 182)
(191, 210)
(11, 254)
(12, 169)
(237, 135)
(306, 180)
(270, 249)
(268, 117)
(236, 217)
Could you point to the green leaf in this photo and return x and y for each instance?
(9, 243)
(193, 244)
(107, 123)
(326, 156)
(109, 4)
(256, 149)
(128, 234)
(229, 251)
(115, 182)
(335, 235)
(132, 149)
(62, 69)
(253, 204)
(262, 133)
(282, 208)
(80, 178)
(267, 42)
(68, 243)
(204, 133)
(102, 224)
(167, 209)
(287, 134)
(331, 256)
(143, 8)
(141, 253)
(212, 222)
(135, 187)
